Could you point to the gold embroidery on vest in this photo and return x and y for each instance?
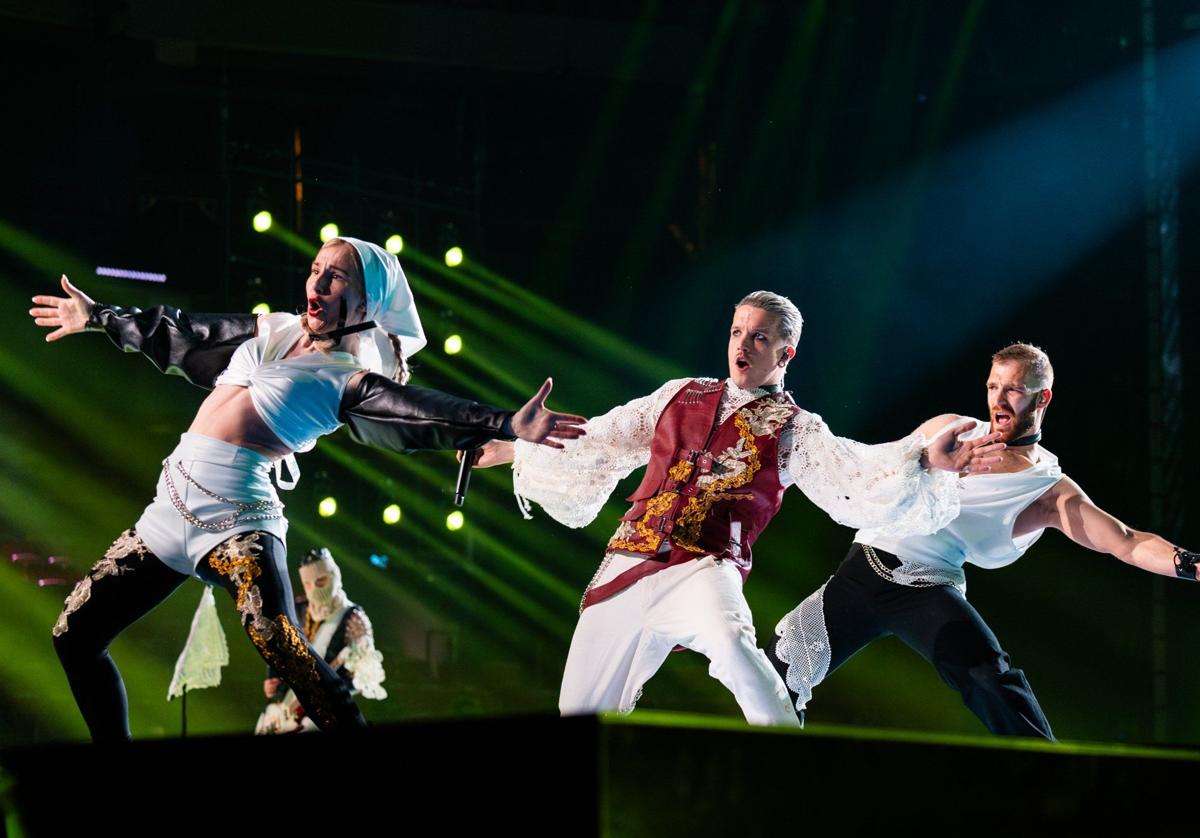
(687, 527)
(680, 471)
(767, 417)
(657, 505)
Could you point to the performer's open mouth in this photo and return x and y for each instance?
(314, 309)
(1001, 420)
(742, 364)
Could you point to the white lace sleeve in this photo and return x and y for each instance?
(363, 661)
(878, 486)
(572, 484)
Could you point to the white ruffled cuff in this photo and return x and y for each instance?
(924, 500)
(365, 664)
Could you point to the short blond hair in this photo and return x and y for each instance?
(787, 317)
(1033, 359)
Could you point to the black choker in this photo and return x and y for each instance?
(338, 334)
(1032, 439)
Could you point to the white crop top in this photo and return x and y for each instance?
(982, 532)
(298, 398)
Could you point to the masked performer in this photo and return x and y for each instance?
(281, 381)
(339, 631)
(914, 586)
(720, 454)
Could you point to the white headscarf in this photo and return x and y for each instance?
(390, 304)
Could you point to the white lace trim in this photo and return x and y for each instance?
(804, 646)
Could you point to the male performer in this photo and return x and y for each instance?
(720, 455)
(913, 586)
(339, 631)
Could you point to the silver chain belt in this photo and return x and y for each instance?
(885, 572)
(608, 557)
(265, 510)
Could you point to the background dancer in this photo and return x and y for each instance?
(339, 631)
(914, 587)
(289, 380)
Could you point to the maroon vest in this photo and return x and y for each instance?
(710, 489)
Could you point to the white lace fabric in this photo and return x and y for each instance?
(573, 484)
(360, 657)
(804, 646)
(917, 575)
(205, 652)
(857, 485)
(853, 482)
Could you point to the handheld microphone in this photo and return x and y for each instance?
(464, 474)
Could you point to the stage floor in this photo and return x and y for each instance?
(659, 774)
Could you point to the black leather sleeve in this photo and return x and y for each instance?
(400, 417)
(196, 346)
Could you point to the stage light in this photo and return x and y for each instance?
(380, 560)
(329, 231)
(261, 308)
(327, 508)
(262, 221)
(455, 521)
(453, 345)
(125, 273)
(454, 257)
(394, 244)
(391, 514)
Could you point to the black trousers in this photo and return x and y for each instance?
(941, 626)
(130, 581)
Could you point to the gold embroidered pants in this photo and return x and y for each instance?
(130, 581)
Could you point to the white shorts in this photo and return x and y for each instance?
(222, 468)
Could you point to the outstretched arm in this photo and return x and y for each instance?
(196, 346)
(1067, 507)
(906, 487)
(573, 485)
(381, 413)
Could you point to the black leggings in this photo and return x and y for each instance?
(942, 627)
(130, 581)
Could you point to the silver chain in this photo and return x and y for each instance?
(608, 557)
(885, 572)
(268, 509)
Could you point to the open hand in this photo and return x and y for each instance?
(66, 315)
(965, 456)
(534, 423)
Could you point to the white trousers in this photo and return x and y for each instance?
(621, 642)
